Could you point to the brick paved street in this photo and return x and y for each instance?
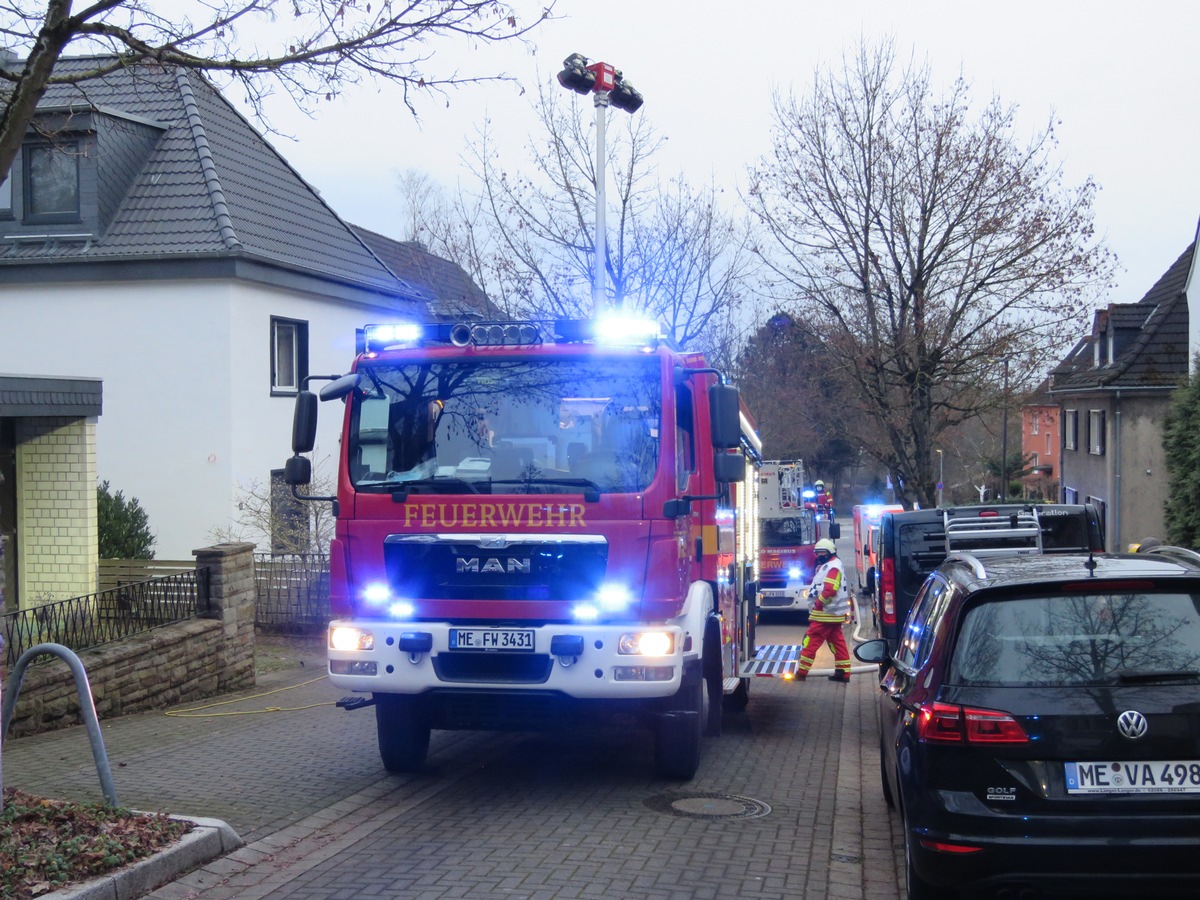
(786, 803)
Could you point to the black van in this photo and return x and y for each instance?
(910, 545)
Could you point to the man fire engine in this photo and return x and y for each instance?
(537, 522)
(790, 529)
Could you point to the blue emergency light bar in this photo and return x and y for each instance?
(613, 331)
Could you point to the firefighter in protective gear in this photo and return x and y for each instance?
(824, 499)
(830, 606)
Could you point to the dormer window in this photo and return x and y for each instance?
(1109, 342)
(52, 182)
(6, 198)
(1096, 353)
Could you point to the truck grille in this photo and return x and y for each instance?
(496, 567)
(503, 668)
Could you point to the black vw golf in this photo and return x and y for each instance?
(1040, 726)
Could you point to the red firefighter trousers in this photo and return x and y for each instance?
(818, 633)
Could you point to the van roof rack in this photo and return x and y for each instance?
(993, 533)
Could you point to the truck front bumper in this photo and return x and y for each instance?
(787, 598)
(609, 661)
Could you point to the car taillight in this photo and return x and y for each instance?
(950, 723)
(887, 590)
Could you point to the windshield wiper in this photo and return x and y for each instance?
(1130, 676)
(401, 489)
(591, 495)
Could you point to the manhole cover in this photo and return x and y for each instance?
(708, 806)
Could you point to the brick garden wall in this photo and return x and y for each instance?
(170, 665)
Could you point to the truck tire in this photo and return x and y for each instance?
(403, 733)
(679, 734)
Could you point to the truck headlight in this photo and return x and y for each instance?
(344, 637)
(647, 643)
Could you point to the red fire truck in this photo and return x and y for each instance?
(537, 522)
(790, 526)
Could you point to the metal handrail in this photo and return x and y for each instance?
(87, 706)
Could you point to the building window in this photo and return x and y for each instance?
(1096, 432)
(289, 355)
(1101, 508)
(52, 182)
(1070, 495)
(1035, 422)
(1049, 450)
(1071, 429)
(6, 198)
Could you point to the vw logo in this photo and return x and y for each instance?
(1132, 724)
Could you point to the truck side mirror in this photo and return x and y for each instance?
(724, 406)
(729, 467)
(304, 424)
(297, 470)
(676, 507)
(340, 387)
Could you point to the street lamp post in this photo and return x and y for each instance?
(1004, 439)
(941, 472)
(608, 86)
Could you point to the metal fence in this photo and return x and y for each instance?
(106, 616)
(292, 592)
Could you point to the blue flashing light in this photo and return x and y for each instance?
(794, 573)
(626, 331)
(401, 609)
(377, 594)
(378, 337)
(585, 612)
(613, 597)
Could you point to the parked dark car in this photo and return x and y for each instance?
(1040, 726)
(911, 544)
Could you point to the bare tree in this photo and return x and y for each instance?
(924, 243)
(275, 521)
(672, 251)
(312, 48)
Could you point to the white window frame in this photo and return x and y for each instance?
(289, 355)
(1071, 429)
(1096, 429)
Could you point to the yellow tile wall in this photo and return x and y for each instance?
(56, 508)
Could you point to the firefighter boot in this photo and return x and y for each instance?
(839, 676)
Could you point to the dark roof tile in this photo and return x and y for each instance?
(212, 185)
(1150, 340)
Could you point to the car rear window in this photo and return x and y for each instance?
(1079, 639)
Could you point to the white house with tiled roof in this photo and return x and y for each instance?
(162, 248)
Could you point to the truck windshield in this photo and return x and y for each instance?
(792, 531)
(506, 426)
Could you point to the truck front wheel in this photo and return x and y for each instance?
(403, 733)
(680, 732)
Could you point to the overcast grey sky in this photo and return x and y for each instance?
(1121, 78)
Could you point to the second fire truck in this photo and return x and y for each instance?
(789, 527)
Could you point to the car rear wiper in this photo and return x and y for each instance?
(1132, 676)
(591, 495)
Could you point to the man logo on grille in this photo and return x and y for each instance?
(1132, 724)
(493, 566)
